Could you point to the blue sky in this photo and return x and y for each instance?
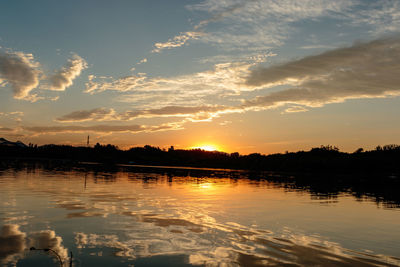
(248, 76)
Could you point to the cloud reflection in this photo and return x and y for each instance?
(143, 223)
(48, 239)
(232, 247)
(83, 240)
(12, 243)
(229, 244)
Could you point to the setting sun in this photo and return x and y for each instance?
(207, 147)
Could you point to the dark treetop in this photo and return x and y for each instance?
(327, 159)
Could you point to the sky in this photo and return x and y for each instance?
(264, 76)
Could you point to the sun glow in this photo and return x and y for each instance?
(206, 147)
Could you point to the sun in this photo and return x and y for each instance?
(206, 147)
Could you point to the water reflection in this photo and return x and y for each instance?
(47, 239)
(379, 188)
(159, 217)
(14, 243)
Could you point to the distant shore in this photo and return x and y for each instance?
(325, 159)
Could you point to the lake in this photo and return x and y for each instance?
(137, 216)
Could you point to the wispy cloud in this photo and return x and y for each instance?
(10, 118)
(254, 25)
(364, 70)
(195, 113)
(97, 114)
(12, 114)
(183, 38)
(144, 60)
(226, 77)
(127, 83)
(103, 128)
(21, 71)
(382, 16)
(79, 129)
(243, 25)
(170, 111)
(176, 41)
(250, 58)
(295, 109)
(316, 46)
(6, 129)
(64, 77)
(219, 86)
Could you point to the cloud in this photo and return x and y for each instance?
(223, 79)
(20, 71)
(176, 41)
(244, 25)
(316, 46)
(250, 57)
(123, 84)
(217, 87)
(382, 16)
(295, 109)
(213, 86)
(259, 25)
(287, 10)
(184, 37)
(23, 73)
(195, 113)
(224, 123)
(225, 11)
(6, 129)
(64, 77)
(173, 111)
(97, 114)
(102, 128)
(78, 129)
(140, 62)
(364, 70)
(13, 115)
(240, 25)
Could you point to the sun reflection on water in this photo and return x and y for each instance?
(206, 186)
(211, 221)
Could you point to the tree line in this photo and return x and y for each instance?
(325, 158)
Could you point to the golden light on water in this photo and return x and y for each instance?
(205, 186)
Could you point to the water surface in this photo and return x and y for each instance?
(131, 217)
